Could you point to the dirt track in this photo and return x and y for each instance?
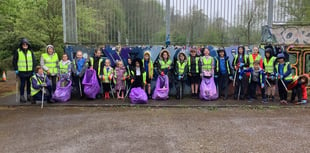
(81, 130)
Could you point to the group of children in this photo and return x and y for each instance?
(209, 76)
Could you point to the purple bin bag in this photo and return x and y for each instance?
(208, 89)
(63, 90)
(162, 88)
(137, 96)
(90, 83)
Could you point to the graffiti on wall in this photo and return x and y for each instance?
(286, 34)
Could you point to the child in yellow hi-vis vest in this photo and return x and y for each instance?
(106, 76)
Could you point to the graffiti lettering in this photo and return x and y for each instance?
(286, 34)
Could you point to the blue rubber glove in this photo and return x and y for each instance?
(16, 72)
(272, 77)
(230, 77)
(276, 75)
(77, 73)
(241, 64)
(281, 76)
(263, 85)
(215, 76)
(240, 77)
(304, 101)
(179, 77)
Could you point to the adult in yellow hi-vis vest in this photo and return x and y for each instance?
(24, 65)
(39, 81)
(49, 63)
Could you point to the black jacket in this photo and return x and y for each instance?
(15, 60)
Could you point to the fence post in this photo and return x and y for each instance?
(270, 13)
(167, 19)
(69, 18)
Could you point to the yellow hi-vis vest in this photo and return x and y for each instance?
(99, 64)
(196, 62)
(106, 74)
(251, 59)
(50, 61)
(164, 65)
(269, 67)
(39, 82)
(151, 69)
(181, 67)
(24, 62)
(285, 68)
(207, 63)
(64, 68)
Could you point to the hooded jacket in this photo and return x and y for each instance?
(218, 63)
(161, 63)
(237, 61)
(49, 59)
(150, 68)
(138, 81)
(15, 59)
(181, 65)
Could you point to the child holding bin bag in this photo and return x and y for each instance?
(207, 85)
(164, 66)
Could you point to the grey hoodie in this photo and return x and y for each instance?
(42, 63)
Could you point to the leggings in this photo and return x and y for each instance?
(23, 82)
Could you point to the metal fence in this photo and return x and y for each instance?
(132, 22)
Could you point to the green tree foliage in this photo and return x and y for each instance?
(298, 10)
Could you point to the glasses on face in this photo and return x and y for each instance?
(24, 44)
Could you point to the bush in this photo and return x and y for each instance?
(6, 64)
(5, 54)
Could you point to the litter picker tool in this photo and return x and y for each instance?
(268, 82)
(112, 92)
(283, 84)
(17, 89)
(81, 94)
(43, 92)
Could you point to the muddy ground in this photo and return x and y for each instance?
(162, 130)
(9, 86)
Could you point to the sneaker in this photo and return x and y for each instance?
(284, 102)
(301, 102)
(22, 99)
(250, 100)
